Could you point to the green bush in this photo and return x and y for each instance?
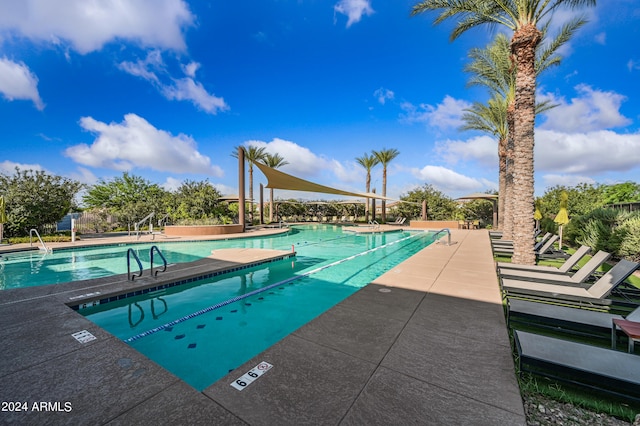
(629, 234)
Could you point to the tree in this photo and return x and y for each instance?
(129, 198)
(274, 161)
(522, 17)
(491, 67)
(368, 161)
(35, 199)
(196, 201)
(440, 207)
(252, 154)
(385, 156)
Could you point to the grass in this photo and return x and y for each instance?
(531, 385)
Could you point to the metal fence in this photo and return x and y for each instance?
(627, 207)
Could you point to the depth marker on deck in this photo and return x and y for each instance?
(251, 375)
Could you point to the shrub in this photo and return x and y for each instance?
(629, 235)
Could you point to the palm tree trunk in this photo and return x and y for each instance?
(508, 177)
(383, 204)
(523, 46)
(270, 205)
(366, 201)
(251, 192)
(502, 190)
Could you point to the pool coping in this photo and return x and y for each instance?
(361, 361)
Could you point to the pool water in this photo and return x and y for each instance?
(202, 330)
(36, 268)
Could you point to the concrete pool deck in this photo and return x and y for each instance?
(425, 343)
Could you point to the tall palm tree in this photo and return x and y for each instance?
(385, 156)
(491, 67)
(274, 161)
(368, 161)
(492, 118)
(252, 154)
(523, 18)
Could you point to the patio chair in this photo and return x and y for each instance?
(580, 276)
(508, 244)
(593, 294)
(566, 318)
(539, 248)
(605, 370)
(565, 268)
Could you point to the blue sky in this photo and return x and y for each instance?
(165, 89)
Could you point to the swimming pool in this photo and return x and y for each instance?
(37, 268)
(202, 330)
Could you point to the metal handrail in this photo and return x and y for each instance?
(151, 250)
(137, 225)
(443, 230)
(44, 246)
(131, 276)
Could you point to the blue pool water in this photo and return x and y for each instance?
(36, 268)
(202, 330)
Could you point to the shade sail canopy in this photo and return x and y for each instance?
(479, 196)
(279, 180)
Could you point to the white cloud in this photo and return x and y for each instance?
(383, 95)
(136, 143)
(186, 89)
(18, 82)
(88, 25)
(483, 149)
(592, 110)
(84, 175)
(566, 180)
(601, 38)
(302, 162)
(586, 153)
(9, 167)
(353, 9)
(633, 65)
(154, 70)
(445, 115)
(446, 179)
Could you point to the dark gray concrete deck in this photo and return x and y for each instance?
(425, 343)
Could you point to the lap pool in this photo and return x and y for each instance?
(202, 330)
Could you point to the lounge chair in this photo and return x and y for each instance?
(539, 248)
(571, 319)
(509, 243)
(597, 368)
(578, 277)
(594, 294)
(565, 268)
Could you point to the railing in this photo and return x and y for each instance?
(283, 224)
(374, 224)
(131, 276)
(137, 225)
(443, 230)
(44, 246)
(164, 261)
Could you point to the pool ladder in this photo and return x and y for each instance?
(448, 234)
(43, 245)
(131, 252)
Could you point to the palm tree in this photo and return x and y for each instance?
(385, 156)
(522, 17)
(274, 161)
(252, 154)
(492, 118)
(491, 67)
(367, 161)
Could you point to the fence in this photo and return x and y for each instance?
(86, 223)
(627, 207)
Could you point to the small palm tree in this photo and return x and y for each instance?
(252, 154)
(274, 161)
(385, 156)
(523, 18)
(367, 161)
